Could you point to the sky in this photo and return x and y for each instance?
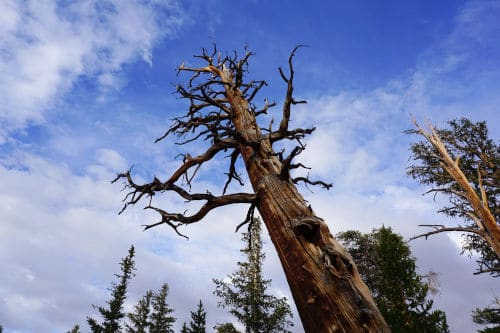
(87, 86)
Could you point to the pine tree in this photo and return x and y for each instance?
(114, 314)
(161, 320)
(184, 328)
(385, 263)
(75, 329)
(198, 320)
(489, 316)
(245, 294)
(139, 319)
(226, 328)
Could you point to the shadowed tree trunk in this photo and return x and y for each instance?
(325, 284)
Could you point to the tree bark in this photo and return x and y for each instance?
(325, 284)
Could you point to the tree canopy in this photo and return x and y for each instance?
(226, 328)
(489, 316)
(198, 321)
(385, 263)
(113, 314)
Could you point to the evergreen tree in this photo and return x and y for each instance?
(75, 329)
(245, 293)
(139, 319)
(184, 328)
(114, 314)
(198, 320)
(384, 261)
(489, 316)
(161, 321)
(226, 328)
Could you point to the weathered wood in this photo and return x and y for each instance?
(488, 227)
(325, 284)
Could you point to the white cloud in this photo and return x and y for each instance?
(46, 46)
(61, 240)
(112, 160)
(60, 237)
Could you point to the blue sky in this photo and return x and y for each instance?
(86, 87)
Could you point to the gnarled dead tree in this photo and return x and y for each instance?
(325, 284)
(462, 163)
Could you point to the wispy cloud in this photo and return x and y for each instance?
(57, 222)
(45, 46)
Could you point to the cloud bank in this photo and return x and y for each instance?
(45, 46)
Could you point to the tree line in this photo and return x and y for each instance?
(383, 258)
(243, 293)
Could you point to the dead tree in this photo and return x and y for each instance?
(325, 284)
(469, 196)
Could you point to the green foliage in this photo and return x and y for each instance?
(469, 143)
(489, 316)
(113, 315)
(226, 328)
(387, 267)
(151, 314)
(198, 320)
(184, 328)
(161, 321)
(244, 293)
(139, 319)
(75, 329)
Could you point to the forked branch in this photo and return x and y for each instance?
(439, 228)
(289, 100)
(210, 118)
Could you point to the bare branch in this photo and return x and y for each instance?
(287, 162)
(198, 160)
(488, 270)
(438, 228)
(175, 220)
(306, 181)
(232, 174)
(249, 217)
(266, 107)
(298, 133)
(289, 92)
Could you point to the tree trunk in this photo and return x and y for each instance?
(325, 284)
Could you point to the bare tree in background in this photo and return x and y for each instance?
(325, 284)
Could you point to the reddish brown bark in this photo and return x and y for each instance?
(326, 287)
(325, 284)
